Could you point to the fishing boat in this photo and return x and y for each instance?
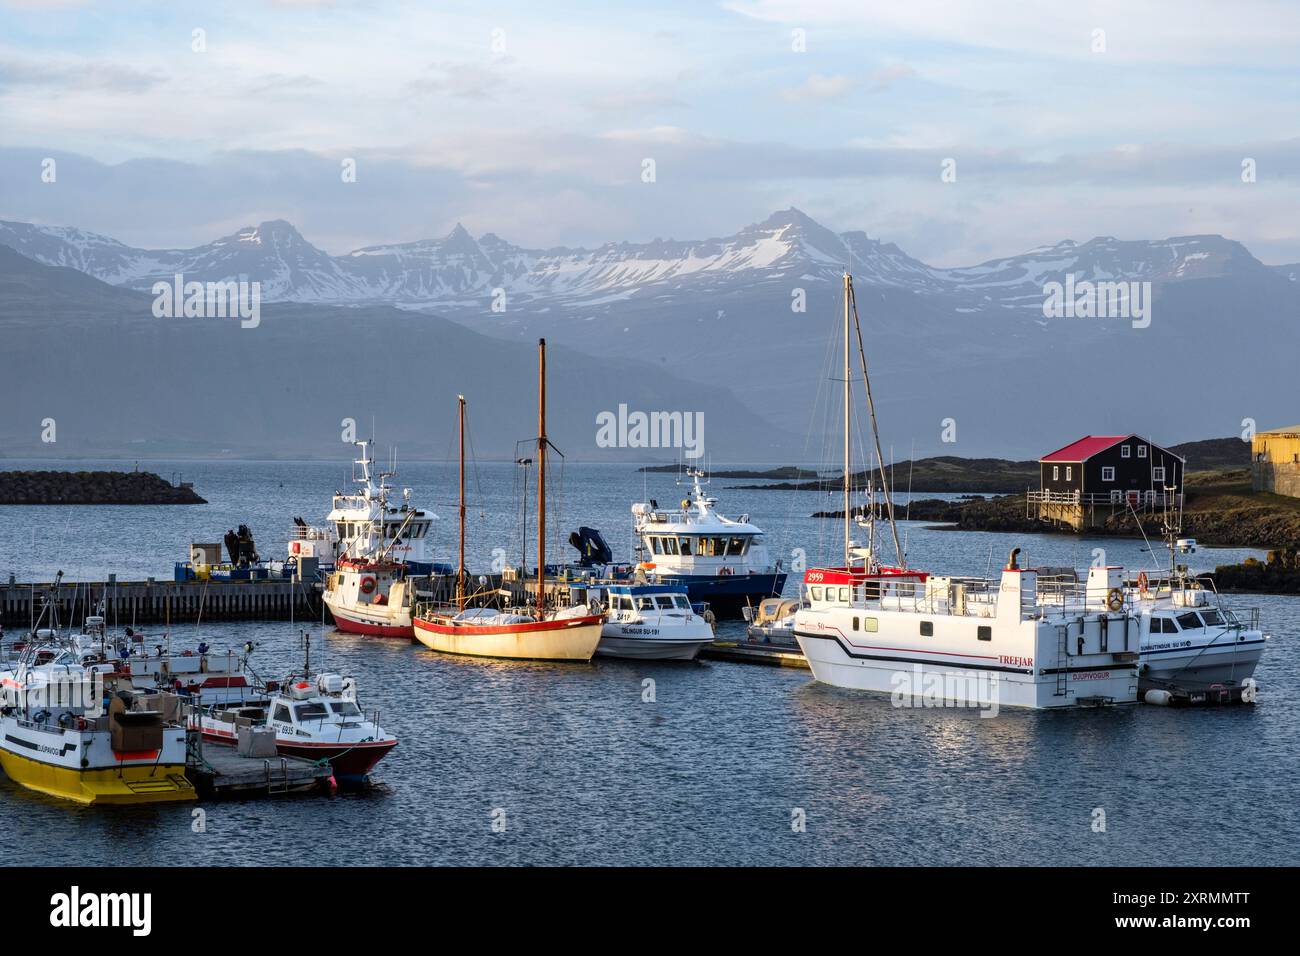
(1024, 639)
(1195, 648)
(652, 622)
(71, 731)
(365, 522)
(722, 561)
(371, 596)
(546, 629)
(314, 717)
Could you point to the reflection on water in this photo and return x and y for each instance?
(582, 769)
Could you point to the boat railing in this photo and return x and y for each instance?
(978, 597)
(309, 533)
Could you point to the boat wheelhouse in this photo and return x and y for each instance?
(720, 560)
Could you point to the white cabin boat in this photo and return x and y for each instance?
(652, 622)
(1015, 642)
(722, 561)
(364, 523)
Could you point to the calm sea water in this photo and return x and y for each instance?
(582, 769)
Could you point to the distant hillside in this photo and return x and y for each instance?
(1214, 454)
(944, 474)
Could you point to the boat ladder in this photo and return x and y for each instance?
(1062, 660)
(274, 786)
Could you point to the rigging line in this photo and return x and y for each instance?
(875, 431)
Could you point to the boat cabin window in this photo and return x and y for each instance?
(1189, 621)
(665, 601)
(308, 712)
(816, 594)
(282, 714)
(685, 545)
(927, 628)
(737, 547)
(984, 632)
(645, 604)
(345, 708)
(1212, 618)
(681, 601)
(870, 624)
(654, 544)
(1163, 625)
(670, 545)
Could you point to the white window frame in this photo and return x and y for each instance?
(1108, 473)
(1125, 451)
(1157, 473)
(1142, 451)
(1056, 472)
(1069, 473)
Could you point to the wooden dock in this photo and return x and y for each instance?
(217, 770)
(745, 652)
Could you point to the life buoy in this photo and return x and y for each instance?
(367, 585)
(1143, 583)
(1115, 599)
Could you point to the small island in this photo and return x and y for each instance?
(92, 488)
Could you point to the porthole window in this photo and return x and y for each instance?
(927, 628)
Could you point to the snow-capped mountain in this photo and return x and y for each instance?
(460, 272)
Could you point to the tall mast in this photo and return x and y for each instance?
(848, 561)
(460, 567)
(541, 477)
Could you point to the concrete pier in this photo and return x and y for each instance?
(128, 603)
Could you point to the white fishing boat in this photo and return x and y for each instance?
(371, 596)
(71, 731)
(544, 629)
(1017, 641)
(722, 561)
(365, 522)
(314, 717)
(1195, 648)
(652, 622)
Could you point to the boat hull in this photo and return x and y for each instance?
(348, 761)
(1201, 667)
(137, 784)
(650, 648)
(831, 664)
(396, 626)
(573, 639)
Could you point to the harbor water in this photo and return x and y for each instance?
(641, 763)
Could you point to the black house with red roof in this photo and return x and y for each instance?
(1100, 474)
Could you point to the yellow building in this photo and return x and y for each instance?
(1275, 461)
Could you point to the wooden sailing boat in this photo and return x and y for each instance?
(529, 633)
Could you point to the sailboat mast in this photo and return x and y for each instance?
(460, 567)
(848, 562)
(541, 476)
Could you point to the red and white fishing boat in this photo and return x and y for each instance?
(370, 596)
(528, 632)
(317, 718)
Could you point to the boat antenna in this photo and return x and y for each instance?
(871, 409)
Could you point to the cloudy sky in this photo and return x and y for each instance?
(533, 121)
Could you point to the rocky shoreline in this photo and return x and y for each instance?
(92, 488)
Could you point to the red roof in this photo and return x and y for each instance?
(1084, 448)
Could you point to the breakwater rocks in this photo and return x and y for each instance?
(92, 488)
(1279, 574)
